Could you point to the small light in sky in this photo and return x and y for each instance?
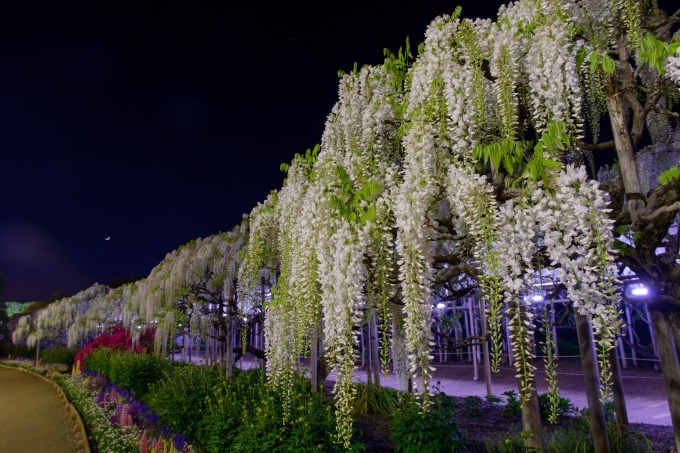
(441, 305)
(106, 238)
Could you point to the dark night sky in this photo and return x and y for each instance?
(155, 123)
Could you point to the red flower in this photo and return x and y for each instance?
(117, 338)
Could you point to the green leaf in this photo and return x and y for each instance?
(456, 13)
(495, 155)
(508, 165)
(670, 175)
(371, 213)
(594, 60)
(608, 64)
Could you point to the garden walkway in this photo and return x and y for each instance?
(32, 416)
(643, 386)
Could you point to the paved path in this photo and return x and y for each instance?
(649, 407)
(32, 416)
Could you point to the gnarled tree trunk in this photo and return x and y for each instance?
(669, 365)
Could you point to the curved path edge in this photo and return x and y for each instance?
(70, 407)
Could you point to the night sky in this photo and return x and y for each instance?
(154, 123)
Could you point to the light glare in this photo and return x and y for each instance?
(640, 291)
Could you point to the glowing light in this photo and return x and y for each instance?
(537, 298)
(441, 305)
(639, 291)
(107, 238)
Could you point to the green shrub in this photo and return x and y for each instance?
(494, 399)
(577, 437)
(181, 398)
(433, 431)
(21, 350)
(564, 405)
(512, 403)
(472, 404)
(58, 355)
(128, 369)
(514, 443)
(244, 415)
(373, 399)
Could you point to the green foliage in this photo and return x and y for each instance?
(669, 175)
(128, 369)
(398, 65)
(563, 406)
(373, 399)
(472, 404)
(58, 355)
(16, 308)
(576, 437)
(181, 398)
(431, 431)
(548, 150)
(511, 155)
(655, 52)
(512, 403)
(493, 399)
(21, 350)
(244, 415)
(512, 444)
(307, 160)
(356, 207)
(605, 62)
(508, 153)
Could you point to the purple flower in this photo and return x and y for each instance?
(180, 442)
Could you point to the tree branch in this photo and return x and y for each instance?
(670, 209)
(595, 147)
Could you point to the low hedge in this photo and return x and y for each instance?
(127, 369)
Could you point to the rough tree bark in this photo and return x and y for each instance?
(620, 408)
(598, 423)
(669, 360)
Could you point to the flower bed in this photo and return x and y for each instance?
(118, 422)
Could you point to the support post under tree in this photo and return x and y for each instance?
(375, 356)
(487, 356)
(314, 360)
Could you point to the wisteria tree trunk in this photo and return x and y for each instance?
(620, 407)
(531, 412)
(641, 223)
(598, 423)
(669, 366)
(531, 421)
